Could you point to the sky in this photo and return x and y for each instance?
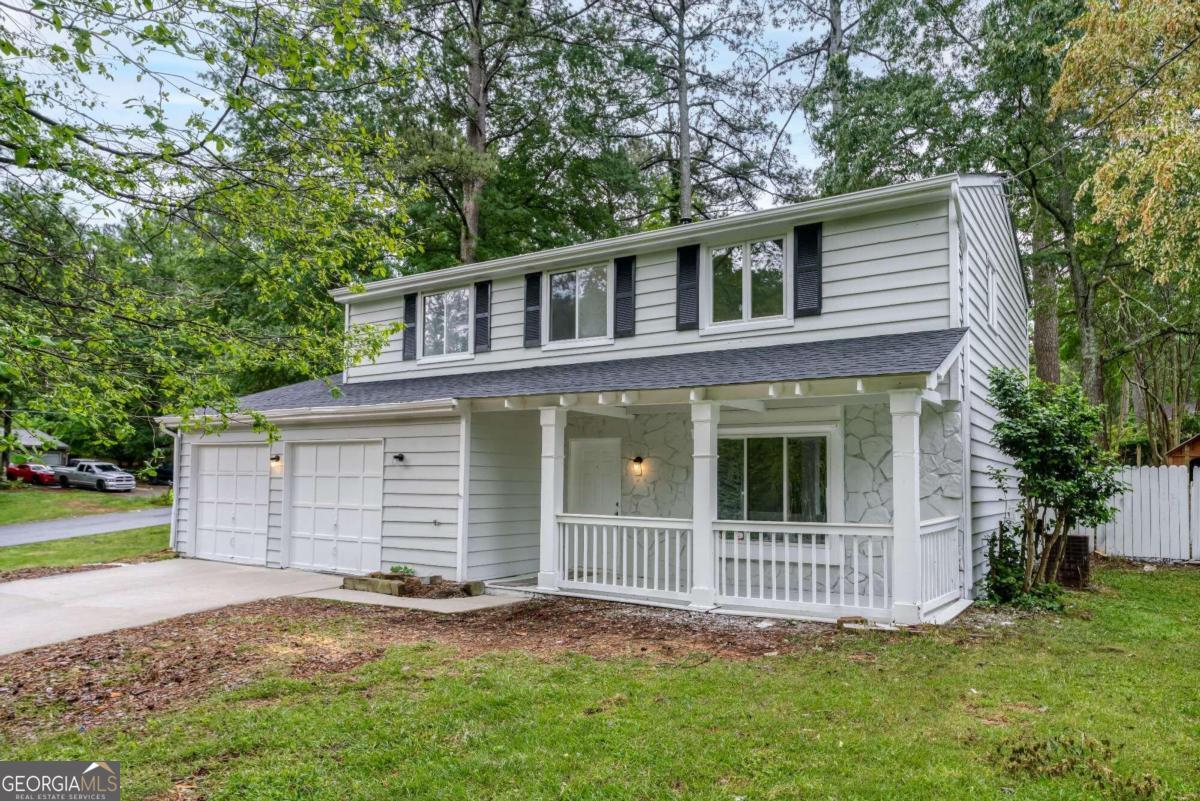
(118, 90)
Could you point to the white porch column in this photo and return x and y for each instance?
(705, 417)
(554, 422)
(906, 505)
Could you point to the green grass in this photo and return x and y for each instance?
(935, 716)
(30, 504)
(86, 550)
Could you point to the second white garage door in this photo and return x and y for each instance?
(336, 506)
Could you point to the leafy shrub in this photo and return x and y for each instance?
(1004, 582)
(5, 484)
(1063, 477)
(403, 570)
(164, 498)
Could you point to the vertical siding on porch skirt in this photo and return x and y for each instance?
(420, 494)
(505, 500)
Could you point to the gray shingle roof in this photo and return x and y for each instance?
(896, 354)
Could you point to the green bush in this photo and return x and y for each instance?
(1062, 476)
(1004, 583)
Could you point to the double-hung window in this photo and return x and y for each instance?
(747, 281)
(578, 301)
(446, 323)
(779, 478)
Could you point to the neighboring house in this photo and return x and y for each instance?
(43, 448)
(1186, 453)
(782, 411)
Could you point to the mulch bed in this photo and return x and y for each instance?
(127, 674)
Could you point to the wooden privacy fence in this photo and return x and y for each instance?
(1157, 518)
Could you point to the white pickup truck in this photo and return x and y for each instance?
(103, 476)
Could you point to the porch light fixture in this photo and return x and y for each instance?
(399, 457)
(275, 457)
(276, 464)
(637, 465)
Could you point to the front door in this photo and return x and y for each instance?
(594, 476)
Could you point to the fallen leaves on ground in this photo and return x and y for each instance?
(130, 673)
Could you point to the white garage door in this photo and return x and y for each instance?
(336, 506)
(231, 503)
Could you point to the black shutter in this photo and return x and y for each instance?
(806, 274)
(624, 301)
(687, 288)
(533, 310)
(483, 316)
(410, 327)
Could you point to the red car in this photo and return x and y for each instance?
(31, 473)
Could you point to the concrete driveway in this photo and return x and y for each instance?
(65, 527)
(48, 610)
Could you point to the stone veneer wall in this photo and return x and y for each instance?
(665, 442)
(869, 463)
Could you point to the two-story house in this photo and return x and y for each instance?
(778, 412)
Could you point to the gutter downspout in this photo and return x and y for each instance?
(176, 456)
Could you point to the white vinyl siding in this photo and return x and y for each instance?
(502, 535)
(883, 273)
(420, 493)
(989, 258)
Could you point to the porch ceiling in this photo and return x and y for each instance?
(916, 353)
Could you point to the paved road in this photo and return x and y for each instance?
(64, 527)
(57, 608)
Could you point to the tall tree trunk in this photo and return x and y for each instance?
(1091, 364)
(1045, 315)
(476, 133)
(835, 67)
(685, 120)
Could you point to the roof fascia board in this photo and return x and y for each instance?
(323, 413)
(867, 201)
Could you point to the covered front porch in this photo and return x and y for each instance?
(818, 499)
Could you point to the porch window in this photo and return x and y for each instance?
(579, 304)
(747, 281)
(446, 323)
(773, 478)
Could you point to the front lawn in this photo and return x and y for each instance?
(114, 547)
(30, 504)
(1101, 702)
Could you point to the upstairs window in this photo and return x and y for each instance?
(747, 281)
(578, 301)
(446, 323)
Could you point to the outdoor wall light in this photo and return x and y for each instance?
(275, 457)
(399, 457)
(276, 467)
(637, 465)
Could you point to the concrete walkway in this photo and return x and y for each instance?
(65, 527)
(57, 608)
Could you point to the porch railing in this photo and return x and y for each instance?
(646, 556)
(789, 566)
(941, 568)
